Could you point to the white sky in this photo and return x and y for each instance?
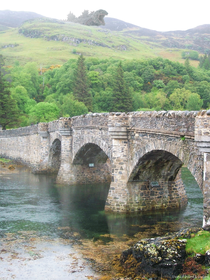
(161, 15)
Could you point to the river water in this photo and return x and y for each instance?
(59, 232)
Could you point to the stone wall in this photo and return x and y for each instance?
(21, 144)
(157, 195)
(170, 122)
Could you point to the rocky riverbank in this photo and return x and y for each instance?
(163, 258)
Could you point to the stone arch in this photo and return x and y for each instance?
(154, 180)
(55, 156)
(54, 136)
(156, 164)
(90, 153)
(103, 144)
(183, 151)
(91, 165)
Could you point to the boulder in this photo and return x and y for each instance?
(156, 257)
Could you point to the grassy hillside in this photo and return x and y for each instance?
(50, 42)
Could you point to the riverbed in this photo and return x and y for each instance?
(48, 231)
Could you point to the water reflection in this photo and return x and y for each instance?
(35, 202)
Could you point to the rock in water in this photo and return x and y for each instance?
(155, 257)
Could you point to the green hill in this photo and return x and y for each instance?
(54, 42)
(49, 41)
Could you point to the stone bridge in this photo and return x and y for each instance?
(140, 154)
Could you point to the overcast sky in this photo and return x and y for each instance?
(161, 15)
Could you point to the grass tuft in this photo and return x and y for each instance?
(4, 160)
(198, 244)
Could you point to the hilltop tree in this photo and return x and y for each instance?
(122, 99)
(71, 17)
(9, 113)
(81, 88)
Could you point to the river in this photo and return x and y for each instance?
(49, 231)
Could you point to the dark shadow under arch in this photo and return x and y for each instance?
(155, 165)
(156, 183)
(55, 156)
(91, 165)
(90, 153)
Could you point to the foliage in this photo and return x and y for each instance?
(194, 102)
(43, 112)
(72, 107)
(121, 100)
(205, 62)
(190, 54)
(81, 87)
(9, 113)
(104, 85)
(71, 17)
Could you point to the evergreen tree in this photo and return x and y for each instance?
(205, 62)
(188, 67)
(122, 100)
(9, 113)
(81, 88)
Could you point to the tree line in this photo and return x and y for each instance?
(99, 85)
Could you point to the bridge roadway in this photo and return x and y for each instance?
(139, 153)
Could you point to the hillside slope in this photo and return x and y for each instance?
(49, 41)
(27, 36)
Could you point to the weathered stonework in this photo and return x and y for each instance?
(140, 154)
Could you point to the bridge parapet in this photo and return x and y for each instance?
(21, 131)
(99, 120)
(180, 123)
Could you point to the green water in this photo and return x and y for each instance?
(34, 202)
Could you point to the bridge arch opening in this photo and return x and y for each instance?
(92, 165)
(55, 156)
(156, 182)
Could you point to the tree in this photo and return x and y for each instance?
(122, 99)
(171, 86)
(194, 102)
(190, 54)
(179, 98)
(188, 67)
(9, 113)
(20, 95)
(205, 62)
(72, 107)
(81, 87)
(203, 89)
(43, 112)
(71, 17)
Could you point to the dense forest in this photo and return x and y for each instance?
(100, 85)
